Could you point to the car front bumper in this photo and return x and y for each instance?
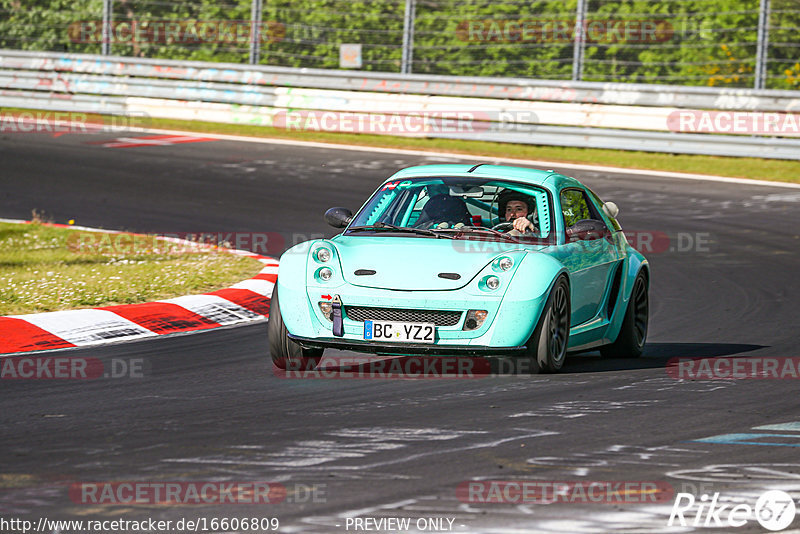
(404, 348)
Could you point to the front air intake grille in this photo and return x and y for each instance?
(437, 317)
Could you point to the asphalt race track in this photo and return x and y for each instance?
(208, 407)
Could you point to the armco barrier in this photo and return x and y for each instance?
(620, 116)
(481, 87)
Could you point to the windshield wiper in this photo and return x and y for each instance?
(471, 229)
(393, 228)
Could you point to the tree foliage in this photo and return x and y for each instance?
(697, 42)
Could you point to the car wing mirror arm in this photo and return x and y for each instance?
(338, 217)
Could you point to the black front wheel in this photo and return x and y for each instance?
(286, 354)
(632, 335)
(547, 347)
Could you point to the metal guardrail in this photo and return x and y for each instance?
(582, 114)
(626, 94)
(492, 110)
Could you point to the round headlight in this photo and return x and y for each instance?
(323, 254)
(492, 282)
(325, 274)
(505, 263)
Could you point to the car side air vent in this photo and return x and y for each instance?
(612, 295)
(364, 272)
(450, 276)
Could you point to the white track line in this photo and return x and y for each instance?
(475, 158)
(493, 159)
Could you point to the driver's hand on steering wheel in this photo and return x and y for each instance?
(521, 224)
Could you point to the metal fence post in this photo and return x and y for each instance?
(408, 38)
(762, 48)
(255, 31)
(105, 46)
(577, 49)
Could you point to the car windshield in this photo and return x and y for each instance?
(460, 208)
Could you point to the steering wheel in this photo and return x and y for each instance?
(503, 226)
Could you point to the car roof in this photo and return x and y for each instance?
(547, 178)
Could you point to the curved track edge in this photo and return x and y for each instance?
(244, 302)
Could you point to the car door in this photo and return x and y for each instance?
(589, 259)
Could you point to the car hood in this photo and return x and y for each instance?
(407, 263)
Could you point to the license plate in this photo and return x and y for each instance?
(404, 332)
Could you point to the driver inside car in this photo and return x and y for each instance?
(518, 209)
(444, 211)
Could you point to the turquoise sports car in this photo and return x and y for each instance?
(470, 260)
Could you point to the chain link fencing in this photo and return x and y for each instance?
(717, 43)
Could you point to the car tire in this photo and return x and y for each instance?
(633, 334)
(547, 347)
(286, 354)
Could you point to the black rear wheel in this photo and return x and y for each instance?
(286, 354)
(632, 335)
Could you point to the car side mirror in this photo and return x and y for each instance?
(586, 230)
(338, 217)
(611, 209)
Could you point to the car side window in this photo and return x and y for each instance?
(574, 207)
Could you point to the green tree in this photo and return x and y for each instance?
(696, 42)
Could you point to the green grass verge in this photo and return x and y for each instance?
(43, 268)
(753, 168)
